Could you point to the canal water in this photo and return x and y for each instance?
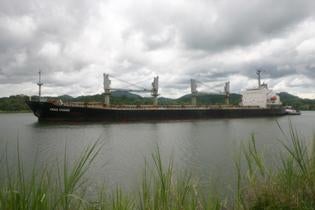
(206, 148)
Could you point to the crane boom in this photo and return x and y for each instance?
(132, 90)
(195, 93)
(108, 89)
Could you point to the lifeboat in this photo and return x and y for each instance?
(273, 98)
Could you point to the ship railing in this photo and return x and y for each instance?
(184, 107)
(160, 107)
(83, 104)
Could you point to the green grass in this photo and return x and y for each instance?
(42, 190)
(287, 184)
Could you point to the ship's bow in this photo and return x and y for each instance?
(36, 107)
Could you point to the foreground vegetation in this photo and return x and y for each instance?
(289, 184)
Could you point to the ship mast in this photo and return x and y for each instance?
(259, 78)
(39, 86)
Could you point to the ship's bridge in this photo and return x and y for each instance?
(261, 96)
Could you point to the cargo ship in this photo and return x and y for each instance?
(256, 102)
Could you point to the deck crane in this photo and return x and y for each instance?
(108, 89)
(40, 84)
(194, 91)
(227, 92)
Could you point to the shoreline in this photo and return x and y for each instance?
(12, 112)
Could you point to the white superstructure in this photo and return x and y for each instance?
(260, 96)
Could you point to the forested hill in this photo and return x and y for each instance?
(13, 104)
(299, 103)
(16, 103)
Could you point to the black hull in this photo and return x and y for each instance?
(50, 112)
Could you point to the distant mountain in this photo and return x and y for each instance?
(297, 102)
(125, 94)
(210, 99)
(117, 97)
(288, 97)
(16, 103)
(167, 101)
(66, 97)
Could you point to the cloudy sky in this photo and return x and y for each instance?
(74, 41)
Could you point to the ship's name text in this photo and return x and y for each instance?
(59, 110)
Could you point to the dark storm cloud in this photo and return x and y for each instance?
(267, 70)
(309, 71)
(220, 25)
(211, 41)
(215, 75)
(246, 22)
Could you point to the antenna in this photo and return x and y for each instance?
(40, 85)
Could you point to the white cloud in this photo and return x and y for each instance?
(307, 47)
(50, 50)
(20, 27)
